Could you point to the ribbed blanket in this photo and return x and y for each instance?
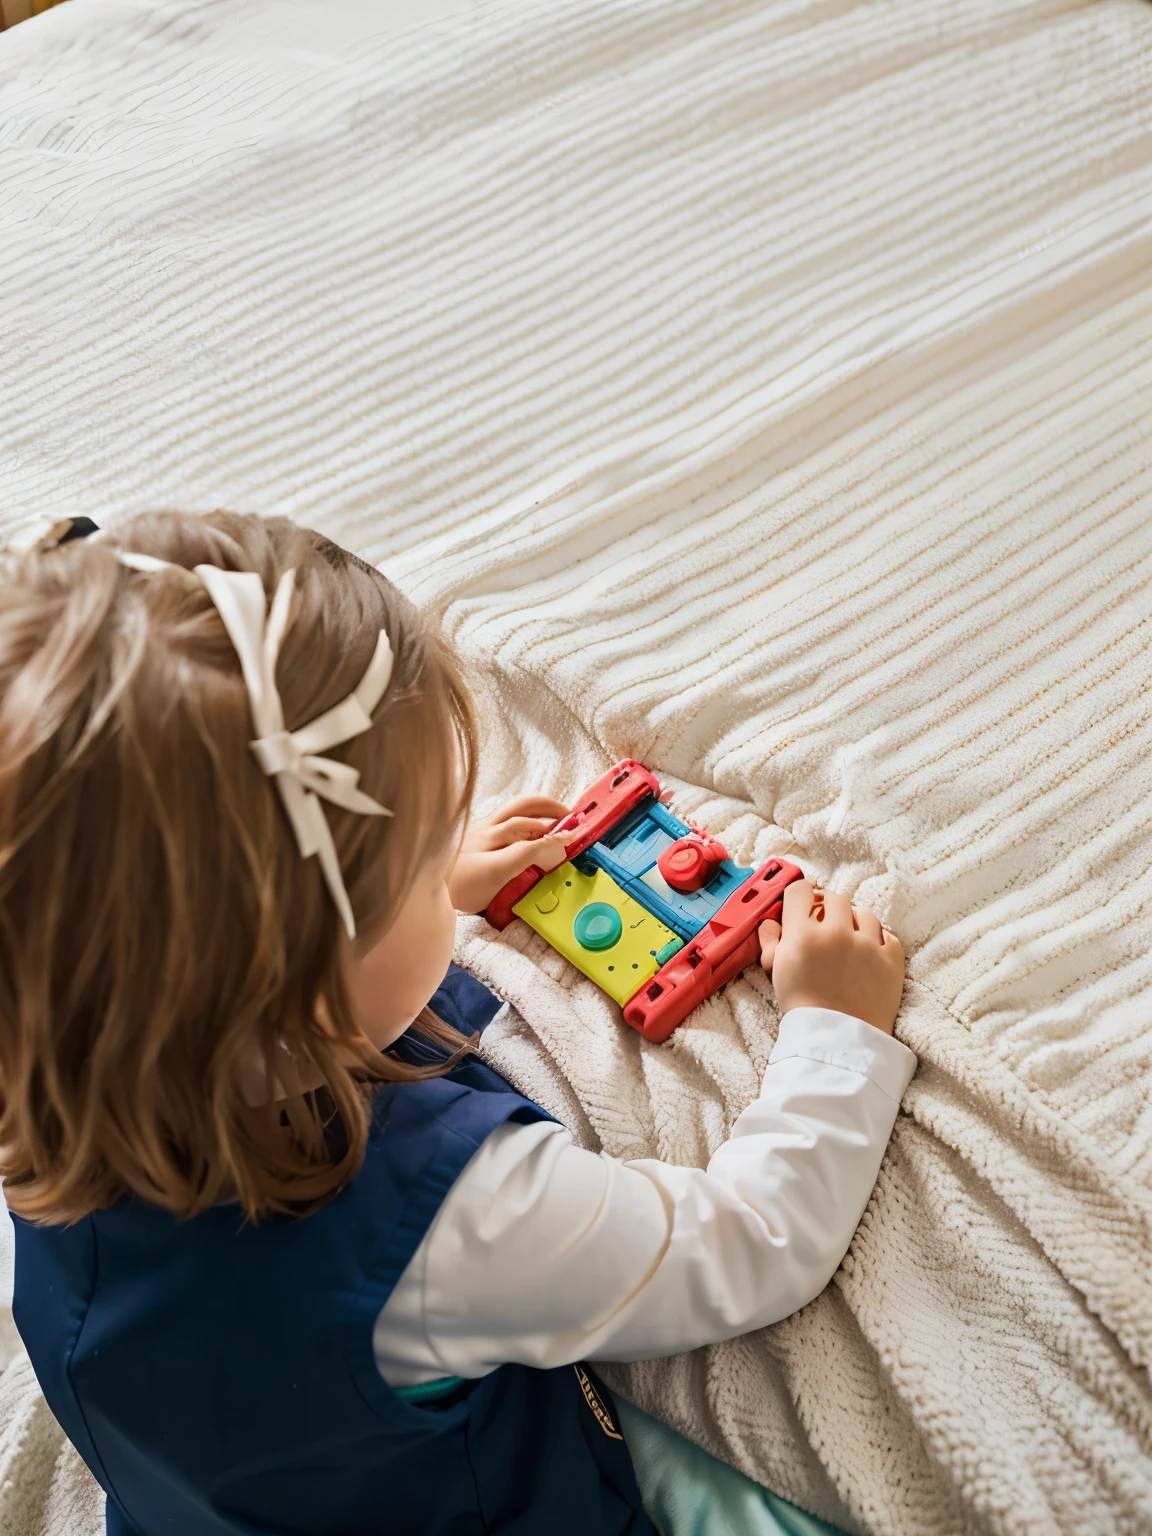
(759, 388)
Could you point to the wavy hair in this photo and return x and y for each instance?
(163, 945)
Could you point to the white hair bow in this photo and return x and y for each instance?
(293, 758)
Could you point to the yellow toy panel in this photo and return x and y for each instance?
(599, 927)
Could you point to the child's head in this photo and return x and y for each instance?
(175, 978)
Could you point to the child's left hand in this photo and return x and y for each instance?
(504, 844)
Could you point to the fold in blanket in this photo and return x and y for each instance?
(757, 388)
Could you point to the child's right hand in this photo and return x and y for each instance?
(503, 845)
(831, 954)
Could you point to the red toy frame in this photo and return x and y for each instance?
(720, 951)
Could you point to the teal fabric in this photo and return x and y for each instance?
(689, 1493)
(429, 1391)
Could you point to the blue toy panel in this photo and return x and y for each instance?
(628, 852)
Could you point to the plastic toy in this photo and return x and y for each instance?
(652, 909)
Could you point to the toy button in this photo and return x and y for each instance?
(690, 862)
(597, 926)
(548, 902)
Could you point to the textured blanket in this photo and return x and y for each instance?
(759, 388)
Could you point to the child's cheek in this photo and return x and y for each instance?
(396, 978)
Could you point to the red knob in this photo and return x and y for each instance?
(690, 862)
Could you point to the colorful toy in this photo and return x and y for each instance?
(652, 909)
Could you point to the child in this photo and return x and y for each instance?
(288, 1257)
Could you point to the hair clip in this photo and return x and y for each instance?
(67, 529)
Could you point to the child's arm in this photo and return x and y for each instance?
(545, 1254)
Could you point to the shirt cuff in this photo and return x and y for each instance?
(839, 1040)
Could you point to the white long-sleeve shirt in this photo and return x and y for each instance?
(545, 1254)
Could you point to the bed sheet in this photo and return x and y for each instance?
(758, 388)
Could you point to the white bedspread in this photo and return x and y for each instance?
(759, 388)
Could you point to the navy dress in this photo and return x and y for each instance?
(218, 1377)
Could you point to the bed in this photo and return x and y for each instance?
(760, 389)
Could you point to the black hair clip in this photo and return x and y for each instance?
(69, 528)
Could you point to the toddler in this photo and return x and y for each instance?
(289, 1257)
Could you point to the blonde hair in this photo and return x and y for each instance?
(161, 939)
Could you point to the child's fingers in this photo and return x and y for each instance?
(797, 903)
(545, 852)
(517, 829)
(530, 805)
(769, 938)
(549, 852)
(893, 949)
(868, 924)
(837, 913)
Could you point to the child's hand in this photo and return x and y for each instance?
(503, 845)
(833, 955)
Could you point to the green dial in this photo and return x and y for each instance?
(597, 926)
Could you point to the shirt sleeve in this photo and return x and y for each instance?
(543, 1253)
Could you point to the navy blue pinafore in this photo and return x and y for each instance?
(218, 1378)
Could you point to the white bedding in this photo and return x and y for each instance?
(759, 388)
